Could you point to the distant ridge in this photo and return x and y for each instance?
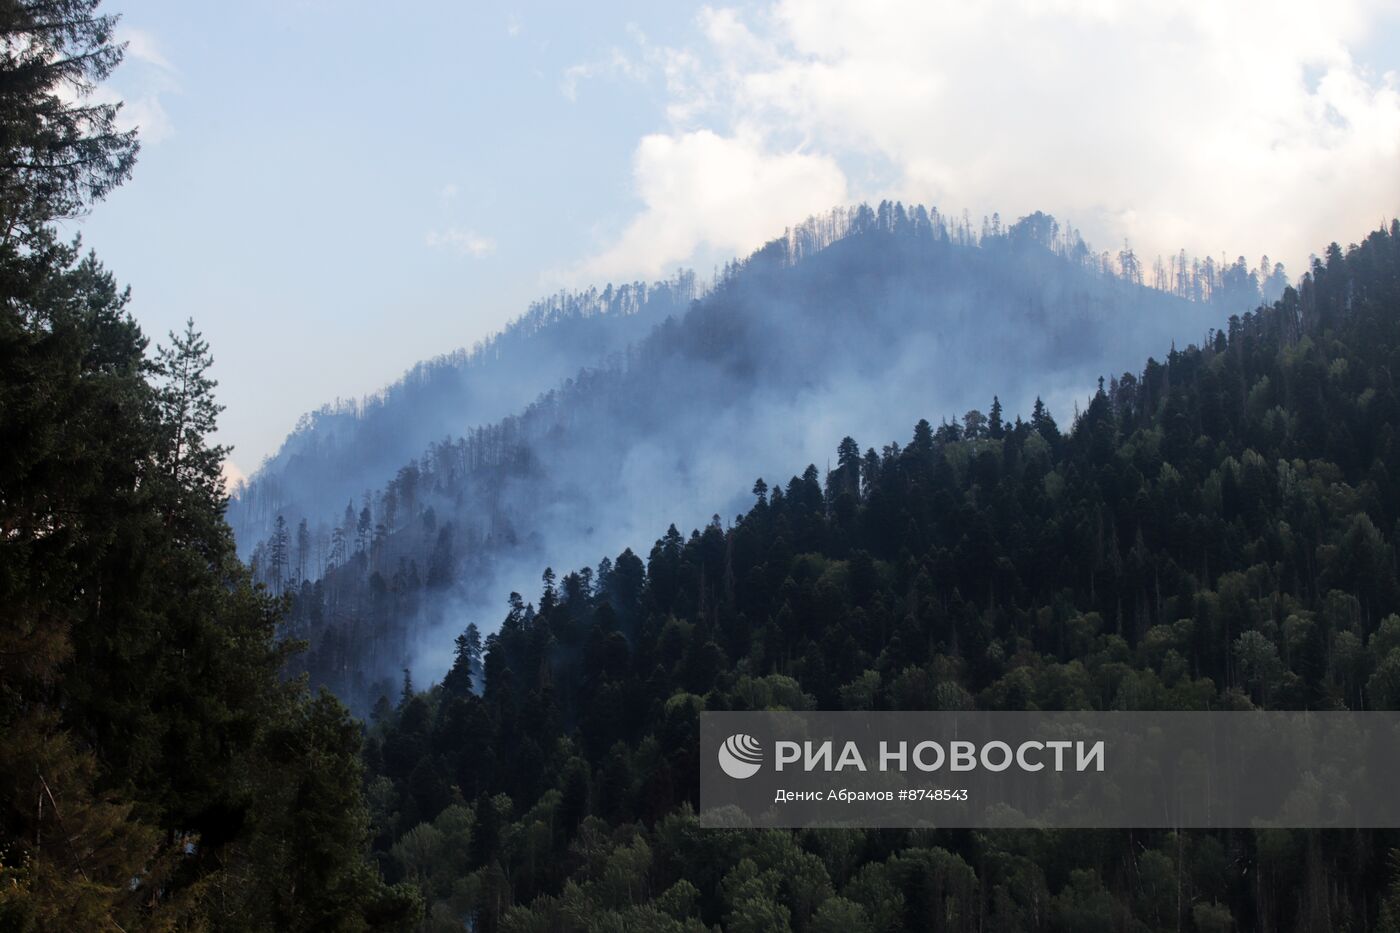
(601, 415)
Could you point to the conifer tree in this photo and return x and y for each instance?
(60, 149)
(155, 770)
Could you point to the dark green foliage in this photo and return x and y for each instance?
(59, 149)
(155, 771)
(872, 306)
(1214, 532)
(141, 697)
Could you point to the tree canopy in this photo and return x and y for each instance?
(155, 770)
(1216, 531)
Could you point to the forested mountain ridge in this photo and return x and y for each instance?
(342, 449)
(865, 316)
(1216, 531)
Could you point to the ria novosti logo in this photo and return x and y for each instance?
(741, 756)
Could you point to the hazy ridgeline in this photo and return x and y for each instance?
(338, 452)
(396, 522)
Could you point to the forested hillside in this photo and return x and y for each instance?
(339, 451)
(1212, 529)
(1216, 530)
(156, 773)
(868, 316)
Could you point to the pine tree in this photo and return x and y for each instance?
(466, 662)
(441, 567)
(923, 438)
(74, 416)
(848, 467)
(189, 412)
(1044, 422)
(278, 555)
(140, 675)
(60, 149)
(996, 428)
(363, 528)
(303, 548)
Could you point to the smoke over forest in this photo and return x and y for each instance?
(498, 648)
(599, 417)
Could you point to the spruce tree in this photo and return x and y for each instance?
(155, 770)
(60, 149)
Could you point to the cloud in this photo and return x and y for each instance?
(142, 46)
(1246, 126)
(616, 64)
(147, 115)
(700, 189)
(462, 242)
(146, 75)
(143, 112)
(448, 192)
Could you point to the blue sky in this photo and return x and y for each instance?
(337, 190)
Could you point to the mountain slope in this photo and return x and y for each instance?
(872, 321)
(339, 451)
(1216, 531)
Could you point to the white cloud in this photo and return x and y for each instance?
(143, 112)
(700, 189)
(462, 242)
(1246, 127)
(147, 115)
(448, 192)
(146, 75)
(143, 47)
(616, 64)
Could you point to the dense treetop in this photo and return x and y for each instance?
(60, 149)
(864, 316)
(155, 770)
(1216, 531)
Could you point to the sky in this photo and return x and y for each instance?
(336, 190)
